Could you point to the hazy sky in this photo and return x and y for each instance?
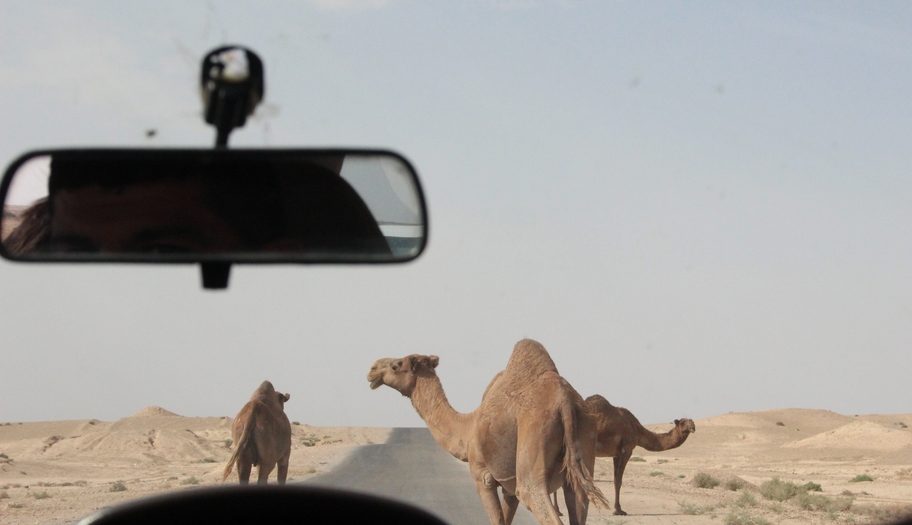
(697, 207)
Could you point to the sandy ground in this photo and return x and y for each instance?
(62, 471)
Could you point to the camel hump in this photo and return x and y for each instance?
(597, 400)
(268, 395)
(530, 359)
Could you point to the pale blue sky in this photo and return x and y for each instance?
(696, 207)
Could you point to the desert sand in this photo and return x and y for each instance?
(62, 471)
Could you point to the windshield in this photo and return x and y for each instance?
(702, 211)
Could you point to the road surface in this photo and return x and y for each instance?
(412, 467)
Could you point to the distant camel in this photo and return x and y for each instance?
(619, 432)
(531, 434)
(262, 436)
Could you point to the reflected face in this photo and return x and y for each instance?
(152, 217)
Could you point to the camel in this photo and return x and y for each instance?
(531, 434)
(262, 436)
(619, 432)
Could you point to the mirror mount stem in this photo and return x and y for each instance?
(231, 84)
(215, 275)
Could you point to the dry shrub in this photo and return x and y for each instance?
(692, 509)
(117, 486)
(734, 484)
(778, 490)
(741, 517)
(704, 481)
(746, 500)
(861, 477)
(808, 501)
(885, 513)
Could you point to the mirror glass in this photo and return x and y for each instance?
(219, 205)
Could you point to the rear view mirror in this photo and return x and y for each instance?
(216, 206)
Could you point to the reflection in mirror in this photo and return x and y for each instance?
(239, 205)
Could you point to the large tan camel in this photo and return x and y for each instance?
(619, 432)
(262, 436)
(531, 434)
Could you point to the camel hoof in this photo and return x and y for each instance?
(620, 513)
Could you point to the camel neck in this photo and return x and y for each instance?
(450, 428)
(659, 442)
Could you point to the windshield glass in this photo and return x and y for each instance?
(702, 212)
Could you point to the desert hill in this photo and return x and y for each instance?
(63, 470)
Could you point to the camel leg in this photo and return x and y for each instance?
(265, 469)
(620, 463)
(491, 501)
(283, 467)
(556, 506)
(577, 505)
(509, 506)
(539, 502)
(243, 470)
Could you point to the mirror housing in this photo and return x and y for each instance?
(213, 207)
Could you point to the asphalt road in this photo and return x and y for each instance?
(412, 467)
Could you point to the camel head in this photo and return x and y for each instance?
(685, 425)
(267, 394)
(402, 373)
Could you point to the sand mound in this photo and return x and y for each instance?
(857, 435)
(154, 411)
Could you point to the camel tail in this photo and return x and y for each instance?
(578, 475)
(242, 444)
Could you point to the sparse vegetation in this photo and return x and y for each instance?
(309, 441)
(16, 505)
(41, 495)
(905, 474)
(692, 509)
(662, 461)
(190, 481)
(885, 513)
(746, 500)
(656, 473)
(704, 481)
(778, 490)
(734, 484)
(637, 458)
(117, 486)
(228, 442)
(207, 460)
(808, 501)
(861, 477)
(741, 517)
(780, 424)
(4, 495)
(810, 486)
(295, 423)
